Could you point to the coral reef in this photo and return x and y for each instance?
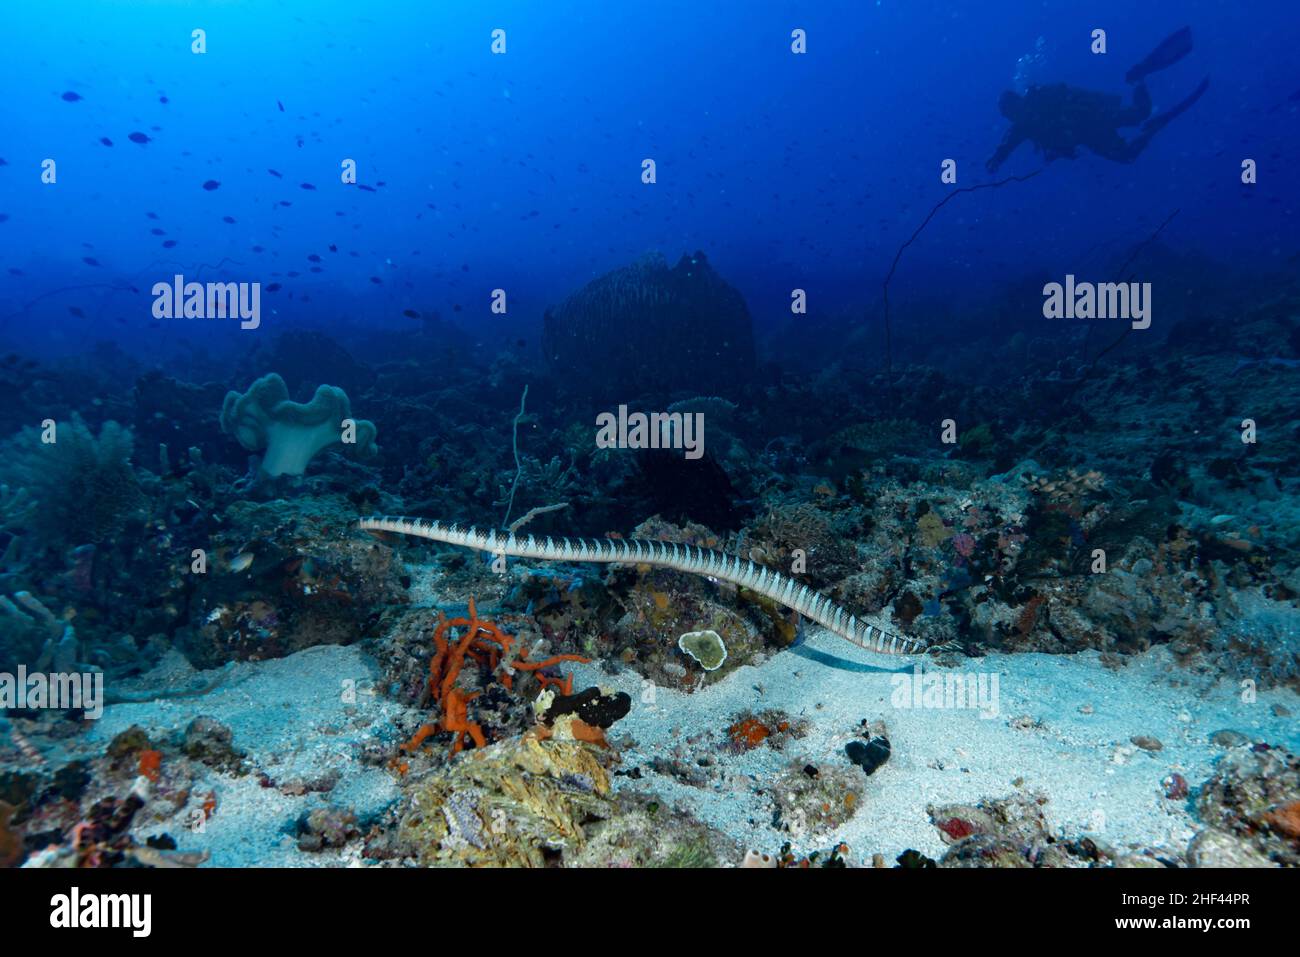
(1014, 832)
(547, 803)
(497, 659)
(1067, 508)
(278, 581)
(1251, 809)
(513, 803)
(76, 487)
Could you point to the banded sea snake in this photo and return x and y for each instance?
(679, 557)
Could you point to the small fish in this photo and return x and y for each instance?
(76, 311)
(276, 174)
(306, 186)
(210, 185)
(71, 97)
(285, 202)
(313, 258)
(90, 260)
(227, 219)
(151, 215)
(169, 244)
(1274, 361)
(333, 248)
(138, 137)
(273, 287)
(410, 314)
(368, 189)
(280, 105)
(158, 232)
(26, 747)
(241, 562)
(162, 98)
(259, 249)
(106, 141)
(376, 280)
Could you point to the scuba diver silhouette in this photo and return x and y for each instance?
(1058, 119)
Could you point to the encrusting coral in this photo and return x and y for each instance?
(532, 802)
(706, 647)
(507, 804)
(292, 433)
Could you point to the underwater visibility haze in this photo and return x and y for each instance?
(675, 434)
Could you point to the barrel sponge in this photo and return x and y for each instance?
(651, 328)
(291, 432)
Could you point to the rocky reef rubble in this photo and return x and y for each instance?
(532, 802)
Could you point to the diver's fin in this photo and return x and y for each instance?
(1157, 123)
(1174, 48)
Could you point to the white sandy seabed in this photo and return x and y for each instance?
(1063, 727)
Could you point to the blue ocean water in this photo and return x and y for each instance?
(524, 168)
(737, 288)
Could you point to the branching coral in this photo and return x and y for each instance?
(292, 433)
(488, 646)
(16, 507)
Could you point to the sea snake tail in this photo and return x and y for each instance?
(679, 557)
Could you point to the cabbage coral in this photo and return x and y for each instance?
(291, 432)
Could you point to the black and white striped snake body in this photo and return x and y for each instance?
(679, 557)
